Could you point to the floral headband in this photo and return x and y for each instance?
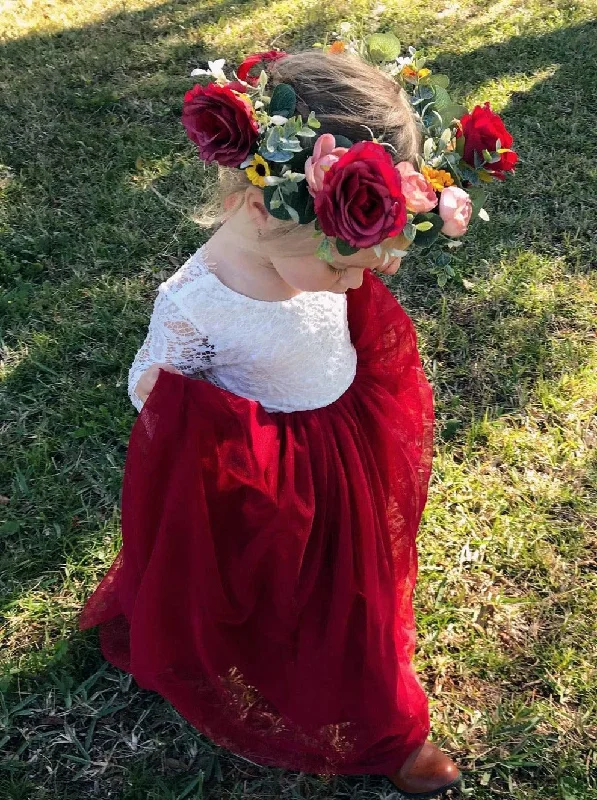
(353, 191)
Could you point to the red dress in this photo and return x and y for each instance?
(265, 582)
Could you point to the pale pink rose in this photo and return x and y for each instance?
(418, 192)
(455, 208)
(325, 153)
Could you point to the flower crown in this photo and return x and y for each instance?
(353, 191)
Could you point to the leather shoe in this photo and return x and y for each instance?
(426, 773)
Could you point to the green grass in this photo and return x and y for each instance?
(90, 145)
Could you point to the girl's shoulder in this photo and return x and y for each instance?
(189, 279)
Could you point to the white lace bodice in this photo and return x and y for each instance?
(290, 355)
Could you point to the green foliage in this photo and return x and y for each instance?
(283, 101)
(383, 47)
(345, 249)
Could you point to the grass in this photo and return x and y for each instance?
(90, 146)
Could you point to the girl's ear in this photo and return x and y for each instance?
(255, 206)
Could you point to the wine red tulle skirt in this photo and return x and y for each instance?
(265, 582)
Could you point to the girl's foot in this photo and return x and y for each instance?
(426, 773)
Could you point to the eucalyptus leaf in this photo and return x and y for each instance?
(409, 231)
(279, 156)
(428, 148)
(292, 212)
(273, 140)
(273, 203)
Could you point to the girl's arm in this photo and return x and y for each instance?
(172, 343)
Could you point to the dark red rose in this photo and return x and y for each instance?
(252, 61)
(361, 200)
(221, 123)
(481, 130)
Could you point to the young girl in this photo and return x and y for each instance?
(278, 470)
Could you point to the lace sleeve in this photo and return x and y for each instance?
(172, 339)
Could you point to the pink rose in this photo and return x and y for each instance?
(418, 192)
(455, 208)
(325, 153)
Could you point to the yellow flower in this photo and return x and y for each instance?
(412, 75)
(438, 178)
(258, 170)
(408, 72)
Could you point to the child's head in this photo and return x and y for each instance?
(350, 98)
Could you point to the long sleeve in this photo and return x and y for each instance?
(173, 339)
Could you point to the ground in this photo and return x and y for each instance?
(98, 190)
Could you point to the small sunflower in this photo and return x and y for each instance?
(258, 170)
(438, 178)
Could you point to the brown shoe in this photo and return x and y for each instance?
(426, 773)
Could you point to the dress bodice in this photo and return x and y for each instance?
(290, 355)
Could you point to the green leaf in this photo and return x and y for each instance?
(276, 156)
(409, 231)
(383, 47)
(312, 122)
(425, 238)
(303, 202)
(442, 259)
(343, 141)
(478, 197)
(293, 213)
(324, 251)
(345, 249)
(424, 226)
(273, 140)
(450, 429)
(275, 209)
(442, 98)
(283, 101)
(452, 111)
(440, 80)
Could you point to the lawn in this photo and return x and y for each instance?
(98, 189)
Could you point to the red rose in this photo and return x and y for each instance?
(252, 61)
(221, 123)
(481, 130)
(361, 200)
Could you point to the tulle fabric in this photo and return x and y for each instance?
(265, 582)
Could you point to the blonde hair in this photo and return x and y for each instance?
(350, 98)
